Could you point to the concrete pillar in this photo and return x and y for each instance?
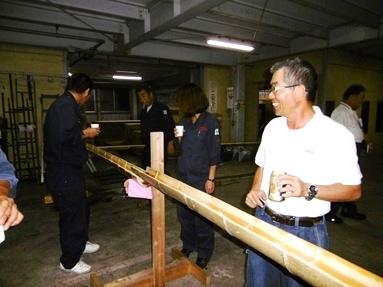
(238, 112)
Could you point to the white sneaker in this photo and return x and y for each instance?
(91, 247)
(80, 268)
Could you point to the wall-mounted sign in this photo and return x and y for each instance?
(213, 96)
(230, 97)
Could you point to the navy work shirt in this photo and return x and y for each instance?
(200, 148)
(157, 119)
(63, 142)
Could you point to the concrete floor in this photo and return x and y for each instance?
(122, 226)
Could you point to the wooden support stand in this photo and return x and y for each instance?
(180, 267)
(159, 274)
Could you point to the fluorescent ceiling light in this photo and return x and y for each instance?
(230, 44)
(127, 72)
(121, 77)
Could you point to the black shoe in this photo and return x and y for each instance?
(354, 215)
(186, 251)
(202, 262)
(333, 219)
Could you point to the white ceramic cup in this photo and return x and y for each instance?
(180, 131)
(94, 126)
(2, 236)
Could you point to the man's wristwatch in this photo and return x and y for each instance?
(312, 191)
(212, 180)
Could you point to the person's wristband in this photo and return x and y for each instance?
(212, 180)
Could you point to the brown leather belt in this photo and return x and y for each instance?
(290, 220)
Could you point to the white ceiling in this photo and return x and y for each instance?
(158, 38)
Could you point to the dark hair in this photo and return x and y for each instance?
(354, 89)
(143, 88)
(191, 100)
(299, 71)
(79, 83)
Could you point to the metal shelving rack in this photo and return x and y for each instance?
(23, 128)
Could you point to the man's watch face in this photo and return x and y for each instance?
(313, 188)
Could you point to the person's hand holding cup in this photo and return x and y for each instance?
(94, 130)
(179, 131)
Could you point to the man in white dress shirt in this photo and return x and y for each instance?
(346, 114)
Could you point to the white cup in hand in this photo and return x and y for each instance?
(2, 236)
(94, 126)
(180, 131)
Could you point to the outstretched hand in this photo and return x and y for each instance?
(9, 213)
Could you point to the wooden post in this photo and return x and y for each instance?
(158, 211)
(160, 273)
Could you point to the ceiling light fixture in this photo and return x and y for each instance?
(121, 77)
(230, 44)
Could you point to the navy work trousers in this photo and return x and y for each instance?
(197, 232)
(67, 185)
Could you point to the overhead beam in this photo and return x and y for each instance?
(358, 14)
(279, 24)
(195, 8)
(48, 37)
(227, 30)
(114, 9)
(40, 15)
(188, 53)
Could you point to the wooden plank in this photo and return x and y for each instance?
(140, 146)
(113, 132)
(193, 269)
(175, 270)
(140, 279)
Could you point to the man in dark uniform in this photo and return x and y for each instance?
(155, 117)
(65, 154)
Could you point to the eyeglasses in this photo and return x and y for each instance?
(275, 89)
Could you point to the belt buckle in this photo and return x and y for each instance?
(274, 218)
(287, 220)
(291, 220)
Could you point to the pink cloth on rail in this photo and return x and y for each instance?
(134, 189)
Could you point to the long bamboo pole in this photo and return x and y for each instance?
(313, 264)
